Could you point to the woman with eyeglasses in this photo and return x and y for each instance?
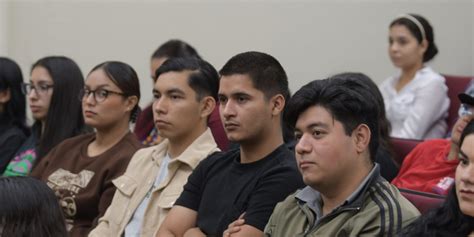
(57, 114)
(81, 170)
(13, 128)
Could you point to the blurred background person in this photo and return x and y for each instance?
(13, 128)
(416, 99)
(29, 208)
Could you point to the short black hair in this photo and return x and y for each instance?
(203, 79)
(432, 50)
(264, 70)
(125, 77)
(175, 48)
(348, 99)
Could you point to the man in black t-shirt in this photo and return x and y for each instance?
(250, 180)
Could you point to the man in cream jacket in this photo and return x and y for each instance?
(185, 94)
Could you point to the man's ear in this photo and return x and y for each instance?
(207, 105)
(278, 104)
(131, 102)
(5, 96)
(361, 135)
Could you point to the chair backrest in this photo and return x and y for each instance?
(456, 85)
(401, 148)
(421, 200)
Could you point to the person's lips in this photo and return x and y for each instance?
(35, 108)
(161, 123)
(230, 126)
(305, 164)
(467, 191)
(89, 113)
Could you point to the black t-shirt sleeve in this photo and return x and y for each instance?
(273, 188)
(192, 190)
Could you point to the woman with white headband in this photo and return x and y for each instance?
(416, 98)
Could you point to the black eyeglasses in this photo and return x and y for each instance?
(40, 89)
(99, 95)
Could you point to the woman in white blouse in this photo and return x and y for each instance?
(416, 98)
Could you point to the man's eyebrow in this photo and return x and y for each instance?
(239, 94)
(315, 124)
(175, 90)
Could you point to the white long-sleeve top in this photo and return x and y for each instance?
(419, 110)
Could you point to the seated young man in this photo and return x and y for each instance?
(252, 179)
(430, 167)
(336, 128)
(185, 94)
(145, 128)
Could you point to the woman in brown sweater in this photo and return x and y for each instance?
(80, 170)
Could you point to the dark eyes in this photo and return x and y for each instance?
(175, 97)
(43, 87)
(222, 99)
(241, 99)
(401, 41)
(102, 93)
(298, 136)
(463, 160)
(316, 134)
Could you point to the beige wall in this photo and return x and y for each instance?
(312, 39)
(3, 28)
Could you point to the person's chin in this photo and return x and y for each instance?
(397, 64)
(91, 122)
(467, 209)
(234, 137)
(166, 134)
(38, 116)
(311, 181)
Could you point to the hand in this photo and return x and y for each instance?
(234, 227)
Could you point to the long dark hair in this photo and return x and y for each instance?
(29, 208)
(447, 220)
(64, 118)
(11, 79)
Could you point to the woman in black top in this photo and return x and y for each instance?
(13, 129)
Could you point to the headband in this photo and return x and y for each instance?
(417, 23)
